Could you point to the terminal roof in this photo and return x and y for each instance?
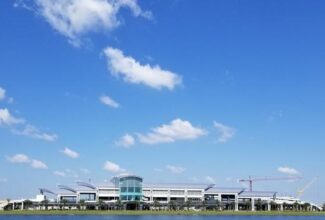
(201, 186)
(258, 194)
(225, 190)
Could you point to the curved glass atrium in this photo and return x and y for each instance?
(130, 188)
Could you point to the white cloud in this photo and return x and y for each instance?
(66, 173)
(175, 169)
(22, 158)
(19, 158)
(225, 132)
(126, 141)
(84, 170)
(7, 119)
(113, 167)
(3, 96)
(59, 173)
(37, 164)
(75, 18)
(70, 153)
(3, 180)
(133, 72)
(178, 129)
(288, 170)
(33, 132)
(2, 93)
(210, 179)
(106, 100)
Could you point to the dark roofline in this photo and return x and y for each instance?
(67, 188)
(87, 185)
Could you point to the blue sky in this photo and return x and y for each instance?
(172, 90)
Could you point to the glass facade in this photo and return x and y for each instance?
(87, 196)
(130, 188)
(69, 199)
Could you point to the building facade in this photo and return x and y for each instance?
(130, 192)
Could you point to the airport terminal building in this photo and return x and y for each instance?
(130, 192)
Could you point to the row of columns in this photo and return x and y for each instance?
(268, 205)
(21, 207)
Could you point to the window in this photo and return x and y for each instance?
(194, 192)
(160, 199)
(177, 192)
(177, 199)
(131, 188)
(70, 199)
(160, 192)
(194, 199)
(87, 196)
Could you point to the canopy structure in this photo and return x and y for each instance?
(67, 188)
(87, 185)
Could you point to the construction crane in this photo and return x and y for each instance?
(250, 180)
(301, 191)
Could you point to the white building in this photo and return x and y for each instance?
(130, 192)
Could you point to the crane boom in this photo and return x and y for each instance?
(250, 180)
(301, 191)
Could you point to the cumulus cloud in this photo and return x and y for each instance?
(225, 133)
(175, 169)
(19, 158)
(22, 158)
(66, 173)
(178, 129)
(106, 100)
(37, 164)
(75, 18)
(126, 141)
(70, 153)
(3, 96)
(2, 93)
(20, 127)
(59, 173)
(6, 118)
(113, 167)
(288, 171)
(33, 132)
(134, 72)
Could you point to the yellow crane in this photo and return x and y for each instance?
(309, 184)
